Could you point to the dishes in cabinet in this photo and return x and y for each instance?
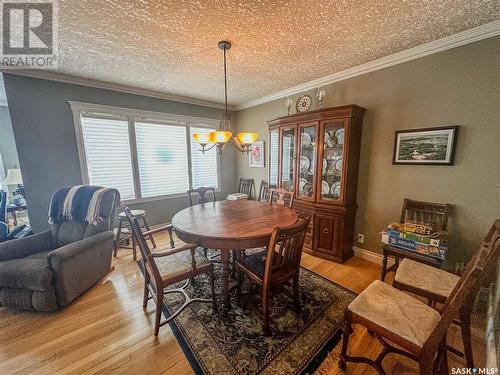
(325, 188)
(338, 165)
(325, 166)
(339, 134)
(305, 163)
(307, 190)
(335, 190)
(302, 183)
(306, 139)
(331, 139)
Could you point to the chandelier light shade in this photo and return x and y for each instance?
(243, 141)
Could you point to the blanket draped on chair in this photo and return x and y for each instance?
(79, 203)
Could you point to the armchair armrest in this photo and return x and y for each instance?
(168, 227)
(68, 251)
(188, 246)
(25, 246)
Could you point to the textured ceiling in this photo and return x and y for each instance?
(171, 46)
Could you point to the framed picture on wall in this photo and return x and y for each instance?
(256, 156)
(431, 146)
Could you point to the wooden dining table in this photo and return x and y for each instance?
(231, 225)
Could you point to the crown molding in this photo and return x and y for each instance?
(89, 82)
(465, 37)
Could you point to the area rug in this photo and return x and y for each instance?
(235, 344)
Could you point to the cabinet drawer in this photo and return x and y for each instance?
(326, 233)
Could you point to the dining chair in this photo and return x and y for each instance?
(246, 186)
(436, 285)
(166, 268)
(281, 196)
(264, 191)
(276, 266)
(202, 193)
(427, 212)
(417, 330)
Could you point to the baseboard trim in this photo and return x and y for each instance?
(370, 256)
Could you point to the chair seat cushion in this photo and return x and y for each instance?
(32, 272)
(255, 262)
(396, 311)
(427, 278)
(175, 265)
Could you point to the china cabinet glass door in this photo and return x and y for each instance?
(273, 157)
(307, 161)
(333, 160)
(288, 158)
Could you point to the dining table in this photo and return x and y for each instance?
(231, 225)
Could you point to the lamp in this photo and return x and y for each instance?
(14, 177)
(243, 141)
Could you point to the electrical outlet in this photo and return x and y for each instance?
(361, 238)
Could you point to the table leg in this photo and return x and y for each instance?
(224, 254)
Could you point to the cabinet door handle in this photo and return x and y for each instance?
(325, 230)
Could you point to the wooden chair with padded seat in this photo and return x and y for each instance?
(245, 186)
(202, 193)
(437, 285)
(417, 330)
(427, 212)
(281, 196)
(276, 266)
(264, 191)
(166, 268)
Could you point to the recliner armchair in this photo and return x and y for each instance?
(50, 269)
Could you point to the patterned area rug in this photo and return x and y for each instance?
(236, 345)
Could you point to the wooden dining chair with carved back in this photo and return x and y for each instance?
(426, 212)
(246, 186)
(417, 330)
(166, 268)
(264, 191)
(276, 266)
(281, 196)
(437, 285)
(203, 195)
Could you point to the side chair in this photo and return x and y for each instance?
(437, 285)
(276, 266)
(432, 213)
(245, 186)
(166, 268)
(281, 196)
(202, 193)
(417, 330)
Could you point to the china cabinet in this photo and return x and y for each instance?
(316, 155)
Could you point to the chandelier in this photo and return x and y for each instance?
(243, 141)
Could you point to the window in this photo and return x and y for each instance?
(162, 159)
(204, 166)
(143, 154)
(107, 154)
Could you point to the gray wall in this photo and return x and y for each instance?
(7, 143)
(455, 87)
(43, 127)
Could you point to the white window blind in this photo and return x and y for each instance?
(204, 166)
(273, 159)
(107, 150)
(162, 158)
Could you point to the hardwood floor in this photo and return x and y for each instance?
(107, 331)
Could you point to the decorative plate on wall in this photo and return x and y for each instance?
(304, 103)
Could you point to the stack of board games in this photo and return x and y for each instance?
(410, 236)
